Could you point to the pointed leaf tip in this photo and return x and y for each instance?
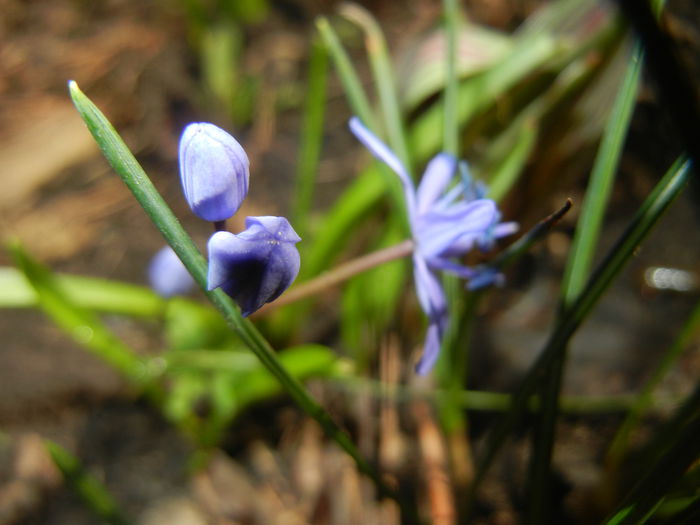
(73, 88)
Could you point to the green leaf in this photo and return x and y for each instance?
(675, 448)
(80, 324)
(618, 447)
(100, 295)
(577, 272)
(88, 488)
(646, 217)
(359, 102)
(190, 326)
(370, 300)
(311, 136)
(383, 77)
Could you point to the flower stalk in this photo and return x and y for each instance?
(341, 273)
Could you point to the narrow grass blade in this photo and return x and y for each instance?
(577, 272)
(348, 76)
(451, 125)
(311, 136)
(93, 494)
(82, 325)
(360, 106)
(480, 401)
(602, 177)
(675, 453)
(124, 163)
(370, 299)
(100, 295)
(651, 210)
(481, 91)
(383, 77)
(644, 399)
(512, 151)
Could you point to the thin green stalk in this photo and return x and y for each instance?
(577, 272)
(95, 496)
(453, 364)
(651, 210)
(451, 124)
(480, 401)
(675, 84)
(81, 324)
(359, 104)
(380, 62)
(311, 136)
(453, 367)
(101, 295)
(124, 163)
(514, 147)
(527, 241)
(595, 202)
(348, 76)
(342, 273)
(619, 443)
(675, 448)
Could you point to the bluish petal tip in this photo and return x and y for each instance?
(167, 275)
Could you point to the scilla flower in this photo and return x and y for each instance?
(447, 220)
(167, 275)
(255, 266)
(213, 171)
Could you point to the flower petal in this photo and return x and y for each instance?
(432, 345)
(484, 277)
(257, 265)
(428, 288)
(437, 177)
(441, 263)
(265, 226)
(383, 153)
(453, 232)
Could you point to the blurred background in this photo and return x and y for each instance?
(153, 67)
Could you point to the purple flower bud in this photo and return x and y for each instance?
(213, 171)
(255, 266)
(167, 275)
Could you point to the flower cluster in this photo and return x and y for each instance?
(447, 220)
(255, 266)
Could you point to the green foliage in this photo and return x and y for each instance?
(497, 106)
(87, 487)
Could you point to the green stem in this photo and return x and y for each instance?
(480, 401)
(88, 488)
(451, 124)
(311, 136)
(644, 399)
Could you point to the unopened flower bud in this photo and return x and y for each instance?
(213, 170)
(255, 266)
(167, 275)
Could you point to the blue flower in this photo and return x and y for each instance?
(213, 171)
(167, 275)
(447, 220)
(255, 266)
